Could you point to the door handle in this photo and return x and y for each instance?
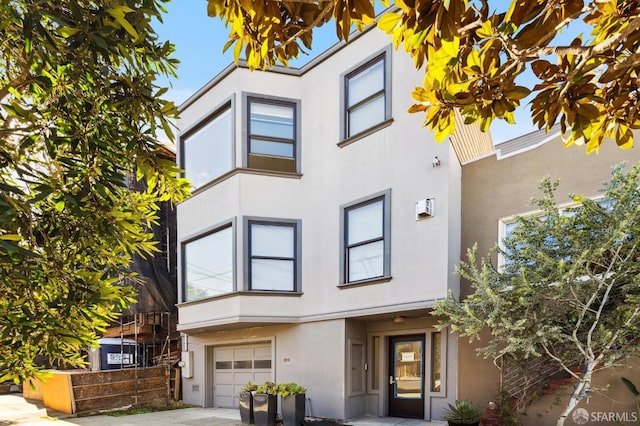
(391, 380)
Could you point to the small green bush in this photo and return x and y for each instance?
(269, 388)
(462, 412)
(286, 389)
(249, 387)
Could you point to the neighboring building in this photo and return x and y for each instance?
(301, 254)
(494, 190)
(151, 320)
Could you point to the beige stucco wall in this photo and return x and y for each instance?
(495, 189)
(308, 354)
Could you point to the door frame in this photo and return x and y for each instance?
(409, 407)
(382, 366)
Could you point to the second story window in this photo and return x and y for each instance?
(273, 255)
(366, 229)
(208, 264)
(272, 136)
(366, 92)
(207, 149)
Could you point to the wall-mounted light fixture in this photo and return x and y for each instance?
(399, 318)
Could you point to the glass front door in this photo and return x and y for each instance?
(406, 376)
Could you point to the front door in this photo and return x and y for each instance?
(406, 376)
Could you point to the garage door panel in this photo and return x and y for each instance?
(244, 377)
(223, 401)
(224, 390)
(263, 352)
(224, 378)
(243, 353)
(260, 378)
(223, 354)
(262, 364)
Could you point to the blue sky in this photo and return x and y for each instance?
(199, 40)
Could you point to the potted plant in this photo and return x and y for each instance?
(293, 401)
(246, 403)
(265, 404)
(462, 413)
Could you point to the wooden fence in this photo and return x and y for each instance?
(84, 392)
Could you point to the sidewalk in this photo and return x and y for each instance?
(15, 410)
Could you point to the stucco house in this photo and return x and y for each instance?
(499, 186)
(324, 223)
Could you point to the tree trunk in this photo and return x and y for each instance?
(581, 389)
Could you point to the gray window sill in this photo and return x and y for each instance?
(370, 281)
(244, 170)
(365, 133)
(242, 293)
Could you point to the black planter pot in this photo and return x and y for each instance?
(265, 408)
(246, 408)
(293, 409)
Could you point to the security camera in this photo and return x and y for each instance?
(435, 162)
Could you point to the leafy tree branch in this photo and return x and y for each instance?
(81, 119)
(569, 291)
(473, 53)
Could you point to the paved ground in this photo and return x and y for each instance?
(15, 410)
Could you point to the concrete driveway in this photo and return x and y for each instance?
(15, 410)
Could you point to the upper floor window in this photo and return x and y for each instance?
(366, 239)
(509, 224)
(273, 259)
(208, 264)
(272, 136)
(367, 97)
(207, 149)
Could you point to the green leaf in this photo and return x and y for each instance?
(118, 13)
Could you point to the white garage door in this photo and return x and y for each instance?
(234, 366)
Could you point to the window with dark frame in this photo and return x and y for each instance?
(365, 240)
(207, 150)
(272, 134)
(208, 269)
(366, 97)
(273, 256)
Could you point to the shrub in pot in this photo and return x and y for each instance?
(265, 404)
(293, 400)
(462, 413)
(246, 403)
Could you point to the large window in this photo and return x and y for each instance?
(207, 149)
(272, 134)
(367, 102)
(208, 265)
(506, 226)
(365, 236)
(273, 255)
